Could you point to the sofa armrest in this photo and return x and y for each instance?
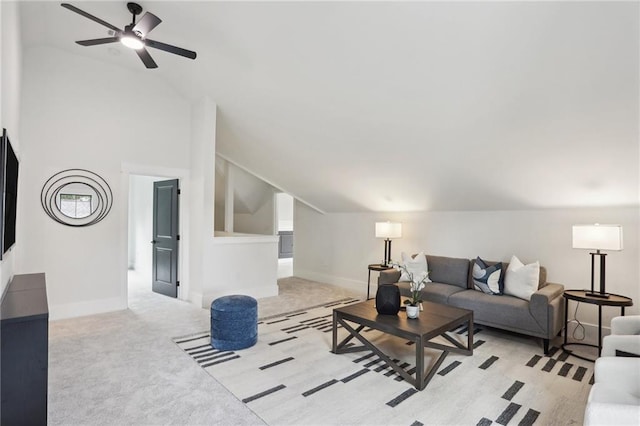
(390, 276)
(600, 414)
(544, 295)
(613, 342)
(546, 308)
(626, 325)
(619, 372)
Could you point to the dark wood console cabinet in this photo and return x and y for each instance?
(24, 351)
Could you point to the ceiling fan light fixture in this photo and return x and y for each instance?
(133, 35)
(131, 41)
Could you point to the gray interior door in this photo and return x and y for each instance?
(165, 237)
(285, 245)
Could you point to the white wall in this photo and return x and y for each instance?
(11, 61)
(222, 264)
(81, 113)
(141, 224)
(220, 193)
(336, 248)
(240, 264)
(10, 85)
(284, 208)
(119, 123)
(260, 222)
(201, 216)
(253, 200)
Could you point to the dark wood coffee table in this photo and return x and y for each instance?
(435, 320)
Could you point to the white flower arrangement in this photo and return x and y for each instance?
(417, 283)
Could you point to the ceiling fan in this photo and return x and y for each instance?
(134, 35)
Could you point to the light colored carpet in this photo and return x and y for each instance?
(290, 377)
(297, 293)
(122, 368)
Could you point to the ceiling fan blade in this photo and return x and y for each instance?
(171, 49)
(147, 23)
(96, 41)
(146, 58)
(87, 15)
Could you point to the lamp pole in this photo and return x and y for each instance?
(387, 251)
(602, 293)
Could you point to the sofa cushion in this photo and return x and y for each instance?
(390, 276)
(509, 313)
(470, 283)
(487, 279)
(522, 280)
(542, 282)
(416, 265)
(543, 277)
(432, 292)
(449, 270)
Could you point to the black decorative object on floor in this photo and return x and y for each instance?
(388, 299)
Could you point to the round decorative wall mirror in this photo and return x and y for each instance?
(76, 197)
(76, 200)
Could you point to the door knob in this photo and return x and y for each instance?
(153, 241)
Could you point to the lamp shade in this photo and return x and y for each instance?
(597, 237)
(388, 230)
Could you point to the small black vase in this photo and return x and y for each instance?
(388, 299)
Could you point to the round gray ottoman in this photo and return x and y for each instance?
(234, 322)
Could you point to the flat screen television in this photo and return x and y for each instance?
(9, 188)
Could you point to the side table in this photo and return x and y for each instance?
(378, 268)
(581, 296)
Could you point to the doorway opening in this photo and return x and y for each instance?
(284, 220)
(152, 260)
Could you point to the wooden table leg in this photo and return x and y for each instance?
(566, 309)
(335, 332)
(420, 364)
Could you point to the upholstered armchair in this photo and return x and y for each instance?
(624, 337)
(615, 396)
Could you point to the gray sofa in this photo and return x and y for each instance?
(542, 316)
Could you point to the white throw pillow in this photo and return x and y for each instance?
(521, 280)
(417, 266)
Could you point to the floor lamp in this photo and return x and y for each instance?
(597, 237)
(388, 230)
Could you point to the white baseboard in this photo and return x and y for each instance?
(196, 299)
(260, 292)
(590, 334)
(255, 292)
(91, 307)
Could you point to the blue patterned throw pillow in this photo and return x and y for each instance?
(488, 279)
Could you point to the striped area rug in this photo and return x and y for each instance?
(290, 377)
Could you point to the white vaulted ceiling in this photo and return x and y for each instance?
(389, 106)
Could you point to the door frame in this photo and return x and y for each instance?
(182, 175)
